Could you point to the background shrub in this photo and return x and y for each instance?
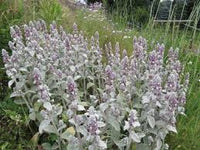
(133, 11)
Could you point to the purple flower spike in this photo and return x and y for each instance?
(27, 31)
(182, 98)
(124, 53)
(37, 76)
(71, 85)
(5, 56)
(109, 73)
(43, 25)
(173, 100)
(92, 125)
(153, 59)
(14, 57)
(125, 65)
(44, 92)
(172, 82)
(132, 120)
(13, 32)
(75, 27)
(53, 26)
(38, 25)
(135, 40)
(67, 43)
(155, 85)
(160, 49)
(173, 54)
(177, 66)
(31, 25)
(139, 51)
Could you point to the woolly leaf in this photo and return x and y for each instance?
(171, 128)
(151, 121)
(90, 84)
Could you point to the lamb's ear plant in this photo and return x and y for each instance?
(88, 104)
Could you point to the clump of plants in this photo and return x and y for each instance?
(86, 103)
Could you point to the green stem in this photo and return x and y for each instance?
(27, 104)
(58, 134)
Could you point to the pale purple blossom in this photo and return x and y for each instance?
(109, 73)
(172, 82)
(37, 76)
(156, 85)
(71, 86)
(92, 126)
(43, 91)
(132, 121)
(5, 56)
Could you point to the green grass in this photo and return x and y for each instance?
(50, 10)
(187, 40)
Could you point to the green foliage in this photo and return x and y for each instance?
(50, 10)
(13, 129)
(181, 11)
(133, 11)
